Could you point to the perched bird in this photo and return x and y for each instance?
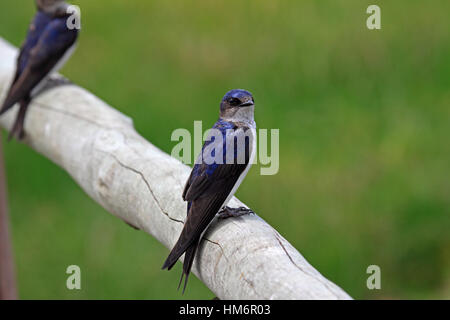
(215, 178)
(48, 45)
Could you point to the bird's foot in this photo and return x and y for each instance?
(53, 82)
(228, 212)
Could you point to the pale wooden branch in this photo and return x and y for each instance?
(242, 258)
(8, 289)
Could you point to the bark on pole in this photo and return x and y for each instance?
(8, 289)
(242, 258)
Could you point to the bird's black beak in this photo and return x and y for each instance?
(247, 103)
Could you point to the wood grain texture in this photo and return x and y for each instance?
(242, 258)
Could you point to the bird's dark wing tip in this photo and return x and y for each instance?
(5, 107)
(168, 264)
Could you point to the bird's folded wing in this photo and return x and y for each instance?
(51, 47)
(208, 177)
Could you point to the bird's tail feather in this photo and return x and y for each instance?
(18, 127)
(187, 265)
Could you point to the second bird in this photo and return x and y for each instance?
(226, 157)
(48, 45)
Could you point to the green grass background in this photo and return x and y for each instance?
(364, 131)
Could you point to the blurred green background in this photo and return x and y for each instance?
(364, 130)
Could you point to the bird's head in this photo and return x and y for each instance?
(238, 106)
(52, 6)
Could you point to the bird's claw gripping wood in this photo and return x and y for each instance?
(228, 212)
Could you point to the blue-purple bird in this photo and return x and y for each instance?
(50, 41)
(226, 157)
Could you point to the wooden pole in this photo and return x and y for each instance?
(8, 289)
(243, 258)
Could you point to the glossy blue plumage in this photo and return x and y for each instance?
(37, 28)
(222, 126)
(48, 44)
(208, 169)
(48, 32)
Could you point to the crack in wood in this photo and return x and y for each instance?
(146, 183)
(72, 115)
(301, 269)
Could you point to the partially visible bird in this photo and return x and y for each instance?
(48, 45)
(226, 157)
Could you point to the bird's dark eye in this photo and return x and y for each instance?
(234, 101)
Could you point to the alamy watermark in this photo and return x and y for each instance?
(73, 282)
(74, 19)
(230, 146)
(374, 280)
(374, 20)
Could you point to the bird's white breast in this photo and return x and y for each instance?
(244, 173)
(55, 69)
